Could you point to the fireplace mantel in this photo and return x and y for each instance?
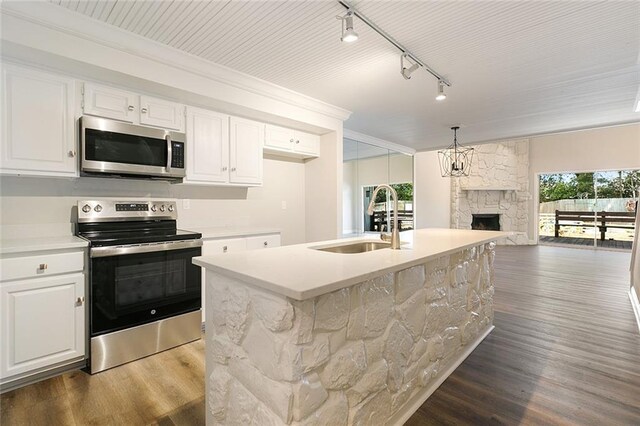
(492, 188)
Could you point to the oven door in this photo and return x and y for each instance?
(114, 147)
(138, 287)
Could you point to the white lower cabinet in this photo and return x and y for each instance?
(263, 242)
(234, 245)
(42, 313)
(43, 324)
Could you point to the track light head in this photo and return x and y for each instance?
(406, 72)
(349, 35)
(441, 96)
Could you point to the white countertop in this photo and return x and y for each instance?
(209, 233)
(23, 245)
(301, 272)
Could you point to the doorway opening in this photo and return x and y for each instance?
(589, 209)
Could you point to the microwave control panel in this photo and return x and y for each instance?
(177, 155)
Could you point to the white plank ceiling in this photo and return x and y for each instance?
(517, 67)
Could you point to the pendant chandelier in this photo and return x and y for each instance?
(455, 161)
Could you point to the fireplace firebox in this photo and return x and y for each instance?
(486, 222)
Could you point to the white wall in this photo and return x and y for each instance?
(432, 192)
(323, 188)
(349, 173)
(48, 205)
(608, 148)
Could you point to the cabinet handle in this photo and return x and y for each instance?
(143, 110)
(233, 169)
(291, 140)
(266, 243)
(297, 141)
(72, 154)
(42, 266)
(131, 108)
(79, 301)
(224, 249)
(224, 169)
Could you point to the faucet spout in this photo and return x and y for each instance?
(395, 233)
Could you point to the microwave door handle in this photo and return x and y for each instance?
(168, 139)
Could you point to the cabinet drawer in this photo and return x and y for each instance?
(40, 266)
(223, 246)
(263, 241)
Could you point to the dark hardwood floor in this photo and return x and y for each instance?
(566, 350)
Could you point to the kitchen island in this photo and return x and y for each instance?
(302, 335)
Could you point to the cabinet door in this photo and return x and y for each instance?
(263, 242)
(38, 132)
(43, 323)
(207, 146)
(278, 137)
(161, 113)
(245, 157)
(109, 102)
(306, 143)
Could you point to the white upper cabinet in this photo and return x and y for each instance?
(306, 143)
(161, 113)
(245, 151)
(109, 102)
(38, 131)
(278, 137)
(207, 146)
(291, 143)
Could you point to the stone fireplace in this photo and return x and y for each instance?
(498, 185)
(485, 222)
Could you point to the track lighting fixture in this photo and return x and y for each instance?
(455, 161)
(406, 72)
(348, 33)
(441, 96)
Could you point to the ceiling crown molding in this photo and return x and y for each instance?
(372, 140)
(75, 24)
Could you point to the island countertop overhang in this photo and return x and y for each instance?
(301, 272)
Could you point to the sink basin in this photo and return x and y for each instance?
(358, 247)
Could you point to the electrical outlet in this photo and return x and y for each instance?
(284, 205)
(186, 204)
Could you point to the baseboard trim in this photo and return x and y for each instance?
(42, 375)
(635, 304)
(411, 406)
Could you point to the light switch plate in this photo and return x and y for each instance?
(186, 204)
(284, 205)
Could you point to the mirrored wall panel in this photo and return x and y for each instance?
(365, 167)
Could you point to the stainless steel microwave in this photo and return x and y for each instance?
(110, 147)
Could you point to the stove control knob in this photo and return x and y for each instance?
(98, 208)
(162, 208)
(171, 207)
(86, 208)
(154, 208)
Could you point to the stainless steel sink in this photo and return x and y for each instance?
(358, 247)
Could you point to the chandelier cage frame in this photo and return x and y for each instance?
(455, 161)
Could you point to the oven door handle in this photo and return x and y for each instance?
(143, 248)
(169, 152)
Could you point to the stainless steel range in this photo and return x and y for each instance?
(144, 292)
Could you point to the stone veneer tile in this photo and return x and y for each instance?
(332, 310)
(276, 395)
(278, 361)
(345, 367)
